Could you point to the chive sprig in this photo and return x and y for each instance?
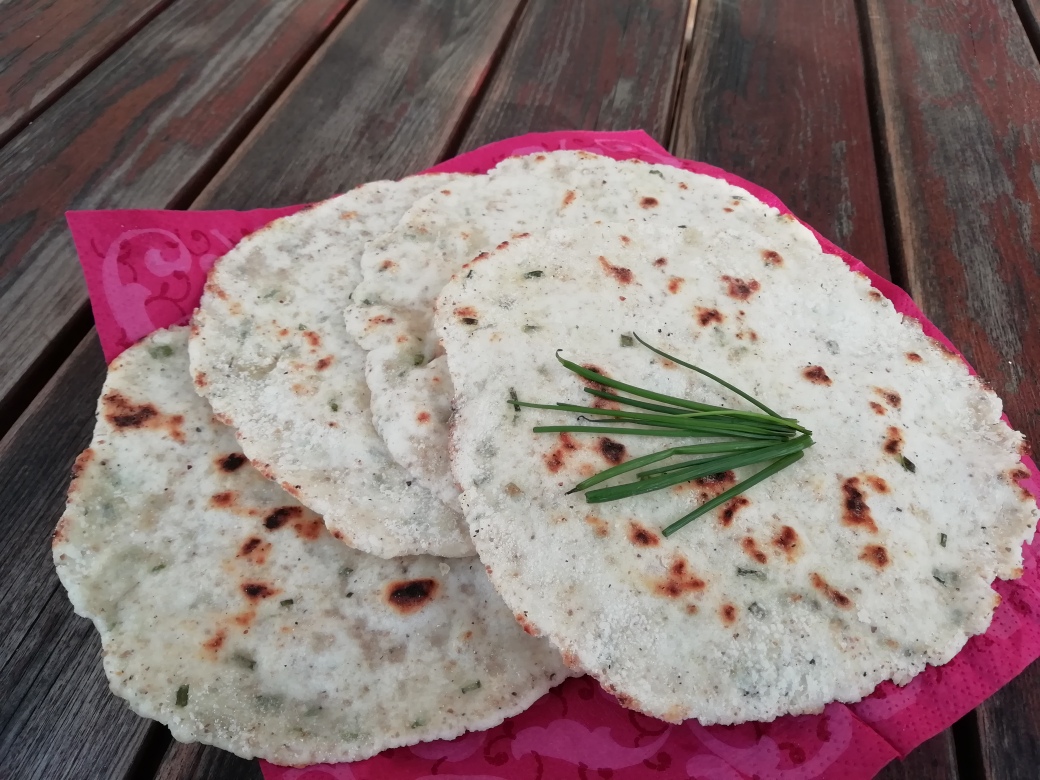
(748, 438)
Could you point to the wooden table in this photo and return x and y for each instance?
(908, 131)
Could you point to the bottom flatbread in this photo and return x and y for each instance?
(228, 612)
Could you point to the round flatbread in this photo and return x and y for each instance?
(229, 613)
(866, 560)
(403, 271)
(270, 353)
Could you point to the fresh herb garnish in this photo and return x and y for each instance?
(161, 351)
(286, 602)
(942, 540)
(471, 687)
(762, 437)
(627, 341)
(907, 464)
(182, 696)
(533, 274)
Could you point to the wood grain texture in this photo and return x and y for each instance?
(57, 717)
(139, 131)
(959, 87)
(776, 93)
(201, 762)
(47, 44)
(1009, 729)
(586, 64)
(934, 760)
(382, 99)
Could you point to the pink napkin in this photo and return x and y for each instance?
(145, 270)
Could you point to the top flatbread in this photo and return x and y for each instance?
(229, 613)
(846, 569)
(403, 271)
(270, 353)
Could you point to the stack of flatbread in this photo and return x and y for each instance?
(276, 529)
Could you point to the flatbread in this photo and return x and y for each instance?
(270, 353)
(229, 613)
(403, 271)
(846, 569)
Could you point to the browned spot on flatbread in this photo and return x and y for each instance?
(675, 284)
(348, 215)
(525, 624)
(661, 262)
(124, 414)
(1016, 475)
(315, 340)
(244, 619)
(679, 580)
(647, 202)
(283, 332)
(570, 660)
(855, 512)
(707, 316)
(599, 526)
(683, 186)
(772, 257)
(61, 531)
(568, 197)
(445, 192)
(422, 418)
(728, 613)
(913, 357)
(877, 484)
(291, 489)
(691, 609)
(891, 397)
(409, 596)
(874, 295)
(82, 460)
(739, 288)
(816, 375)
(255, 550)
(521, 235)
(324, 363)
(215, 289)
(281, 516)
(467, 314)
(750, 547)
(503, 245)
(557, 459)
(787, 541)
(309, 529)
(878, 408)
(893, 440)
(387, 264)
(214, 643)
(200, 379)
(710, 486)
(255, 591)
(625, 240)
(612, 451)
(876, 555)
(727, 209)
(224, 499)
(834, 595)
(380, 319)
(729, 510)
(623, 275)
(642, 537)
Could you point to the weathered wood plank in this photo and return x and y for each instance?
(139, 130)
(57, 717)
(1009, 729)
(382, 98)
(776, 93)
(934, 760)
(959, 85)
(590, 65)
(201, 762)
(45, 45)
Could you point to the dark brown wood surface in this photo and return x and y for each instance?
(47, 46)
(57, 715)
(586, 64)
(959, 89)
(907, 133)
(141, 130)
(383, 98)
(776, 93)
